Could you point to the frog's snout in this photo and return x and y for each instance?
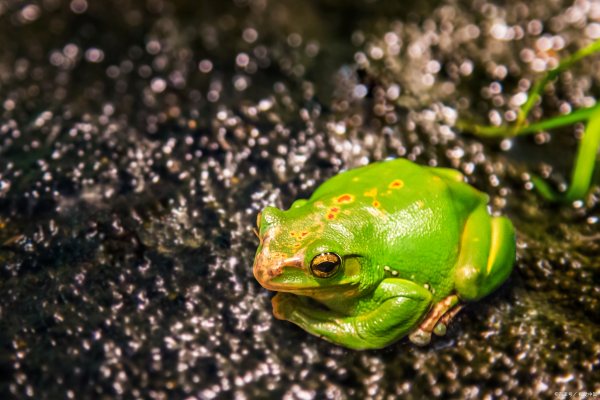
(269, 265)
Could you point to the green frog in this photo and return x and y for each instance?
(382, 251)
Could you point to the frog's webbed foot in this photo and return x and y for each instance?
(436, 321)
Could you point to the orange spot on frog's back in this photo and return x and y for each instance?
(376, 204)
(345, 198)
(396, 184)
(299, 236)
(330, 216)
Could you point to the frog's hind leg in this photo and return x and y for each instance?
(486, 258)
(487, 254)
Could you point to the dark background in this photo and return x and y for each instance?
(138, 141)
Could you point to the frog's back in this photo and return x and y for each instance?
(419, 213)
(369, 176)
(398, 183)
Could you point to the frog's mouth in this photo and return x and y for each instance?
(315, 291)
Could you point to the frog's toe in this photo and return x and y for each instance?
(440, 329)
(420, 337)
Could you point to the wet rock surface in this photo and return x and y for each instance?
(139, 140)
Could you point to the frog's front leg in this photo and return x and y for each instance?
(398, 306)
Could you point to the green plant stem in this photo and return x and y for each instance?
(539, 86)
(585, 158)
(581, 177)
(504, 131)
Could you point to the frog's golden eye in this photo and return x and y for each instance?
(325, 265)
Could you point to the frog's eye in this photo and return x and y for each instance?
(325, 265)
